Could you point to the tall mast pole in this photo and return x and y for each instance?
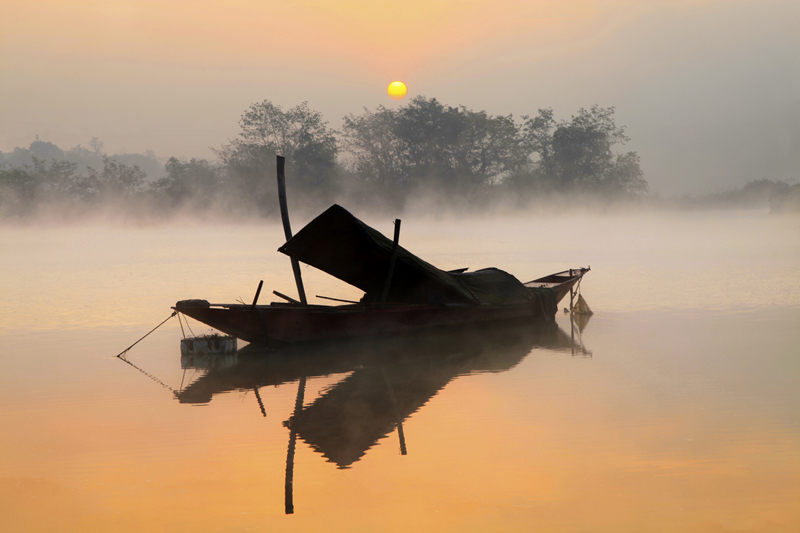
(392, 261)
(287, 228)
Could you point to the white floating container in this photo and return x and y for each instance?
(208, 345)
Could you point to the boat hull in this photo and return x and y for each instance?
(292, 324)
(560, 282)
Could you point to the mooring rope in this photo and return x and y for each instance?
(123, 352)
(181, 323)
(151, 376)
(190, 327)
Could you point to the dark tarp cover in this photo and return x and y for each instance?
(493, 286)
(338, 243)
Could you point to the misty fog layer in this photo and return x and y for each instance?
(99, 274)
(423, 153)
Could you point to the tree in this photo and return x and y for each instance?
(45, 150)
(196, 181)
(537, 138)
(115, 181)
(299, 134)
(55, 180)
(374, 149)
(426, 143)
(578, 154)
(455, 147)
(582, 153)
(18, 190)
(428, 134)
(626, 175)
(23, 189)
(489, 148)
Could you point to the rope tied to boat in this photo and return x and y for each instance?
(121, 355)
(151, 376)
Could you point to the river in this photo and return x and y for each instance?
(675, 408)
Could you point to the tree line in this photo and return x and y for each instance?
(379, 157)
(777, 195)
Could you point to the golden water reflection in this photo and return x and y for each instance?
(684, 418)
(508, 433)
(385, 383)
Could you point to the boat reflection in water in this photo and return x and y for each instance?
(388, 381)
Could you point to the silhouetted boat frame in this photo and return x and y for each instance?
(403, 294)
(289, 323)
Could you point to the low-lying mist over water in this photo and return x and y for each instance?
(76, 277)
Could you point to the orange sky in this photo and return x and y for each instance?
(350, 40)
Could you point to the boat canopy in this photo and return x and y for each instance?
(493, 286)
(341, 245)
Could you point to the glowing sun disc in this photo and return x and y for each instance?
(397, 90)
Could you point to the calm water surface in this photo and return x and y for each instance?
(676, 408)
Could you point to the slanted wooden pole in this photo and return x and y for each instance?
(392, 262)
(571, 296)
(287, 228)
(258, 292)
(288, 299)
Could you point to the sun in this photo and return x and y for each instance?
(397, 90)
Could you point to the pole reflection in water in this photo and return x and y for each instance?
(387, 381)
(579, 321)
(403, 450)
(298, 405)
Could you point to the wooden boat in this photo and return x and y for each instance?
(402, 293)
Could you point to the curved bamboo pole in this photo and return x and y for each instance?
(287, 227)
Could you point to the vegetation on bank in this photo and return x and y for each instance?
(424, 151)
(778, 196)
